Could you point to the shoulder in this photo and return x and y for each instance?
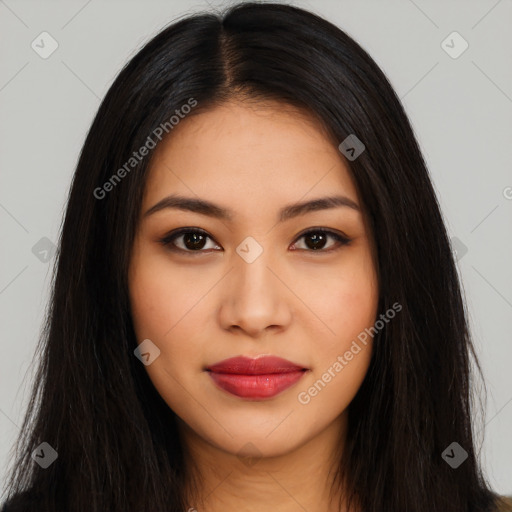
(504, 504)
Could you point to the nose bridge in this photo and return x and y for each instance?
(256, 298)
(252, 260)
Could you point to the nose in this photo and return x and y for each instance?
(255, 298)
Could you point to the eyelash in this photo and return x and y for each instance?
(168, 240)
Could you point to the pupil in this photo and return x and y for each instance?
(196, 240)
(316, 239)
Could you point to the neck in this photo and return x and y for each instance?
(302, 479)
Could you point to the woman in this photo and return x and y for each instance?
(255, 305)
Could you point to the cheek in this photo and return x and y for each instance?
(333, 386)
(156, 316)
(167, 308)
(340, 360)
(162, 298)
(348, 308)
(345, 299)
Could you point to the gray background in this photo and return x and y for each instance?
(460, 108)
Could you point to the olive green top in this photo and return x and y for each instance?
(505, 504)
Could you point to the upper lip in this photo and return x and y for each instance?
(259, 366)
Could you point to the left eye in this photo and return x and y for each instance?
(316, 239)
(194, 240)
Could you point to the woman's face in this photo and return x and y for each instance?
(253, 283)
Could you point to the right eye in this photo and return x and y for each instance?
(192, 240)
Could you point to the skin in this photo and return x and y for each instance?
(304, 305)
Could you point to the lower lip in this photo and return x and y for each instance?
(256, 386)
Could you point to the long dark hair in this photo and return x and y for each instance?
(116, 439)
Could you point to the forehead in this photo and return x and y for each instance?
(269, 152)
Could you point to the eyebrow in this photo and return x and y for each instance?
(210, 209)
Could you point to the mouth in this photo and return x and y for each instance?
(255, 379)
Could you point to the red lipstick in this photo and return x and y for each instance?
(263, 377)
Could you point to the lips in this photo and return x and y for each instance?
(260, 378)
